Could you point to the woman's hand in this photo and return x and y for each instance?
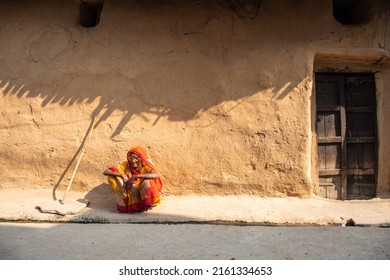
(125, 178)
(128, 184)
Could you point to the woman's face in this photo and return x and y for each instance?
(134, 161)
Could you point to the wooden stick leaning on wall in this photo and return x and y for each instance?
(79, 160)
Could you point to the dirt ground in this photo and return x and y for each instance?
(22, 205)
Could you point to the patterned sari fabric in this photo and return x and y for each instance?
(145, 193)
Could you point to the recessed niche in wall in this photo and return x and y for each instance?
(351, 12)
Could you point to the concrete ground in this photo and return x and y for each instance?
(80, 241)
(21, 205)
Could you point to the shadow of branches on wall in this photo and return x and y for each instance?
(146, 59)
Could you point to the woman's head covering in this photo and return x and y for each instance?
(142, 154)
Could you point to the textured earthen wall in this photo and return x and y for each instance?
(219, 93)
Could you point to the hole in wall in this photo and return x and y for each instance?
(351, 12)
(90, 11)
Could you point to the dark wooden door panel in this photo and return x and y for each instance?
(331, 186)
(360, 136)
(360, 90)
(328, 90)
(361, 186)
(361, 156)
(329, 134)
(328, 124)
(360, 124)
(329, 156)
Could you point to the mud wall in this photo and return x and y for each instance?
(219, 92)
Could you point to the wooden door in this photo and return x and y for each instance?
(346, 135)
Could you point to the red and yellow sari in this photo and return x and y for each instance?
(146, 193)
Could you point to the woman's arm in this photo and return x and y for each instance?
(110, 172)
(151, 175)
